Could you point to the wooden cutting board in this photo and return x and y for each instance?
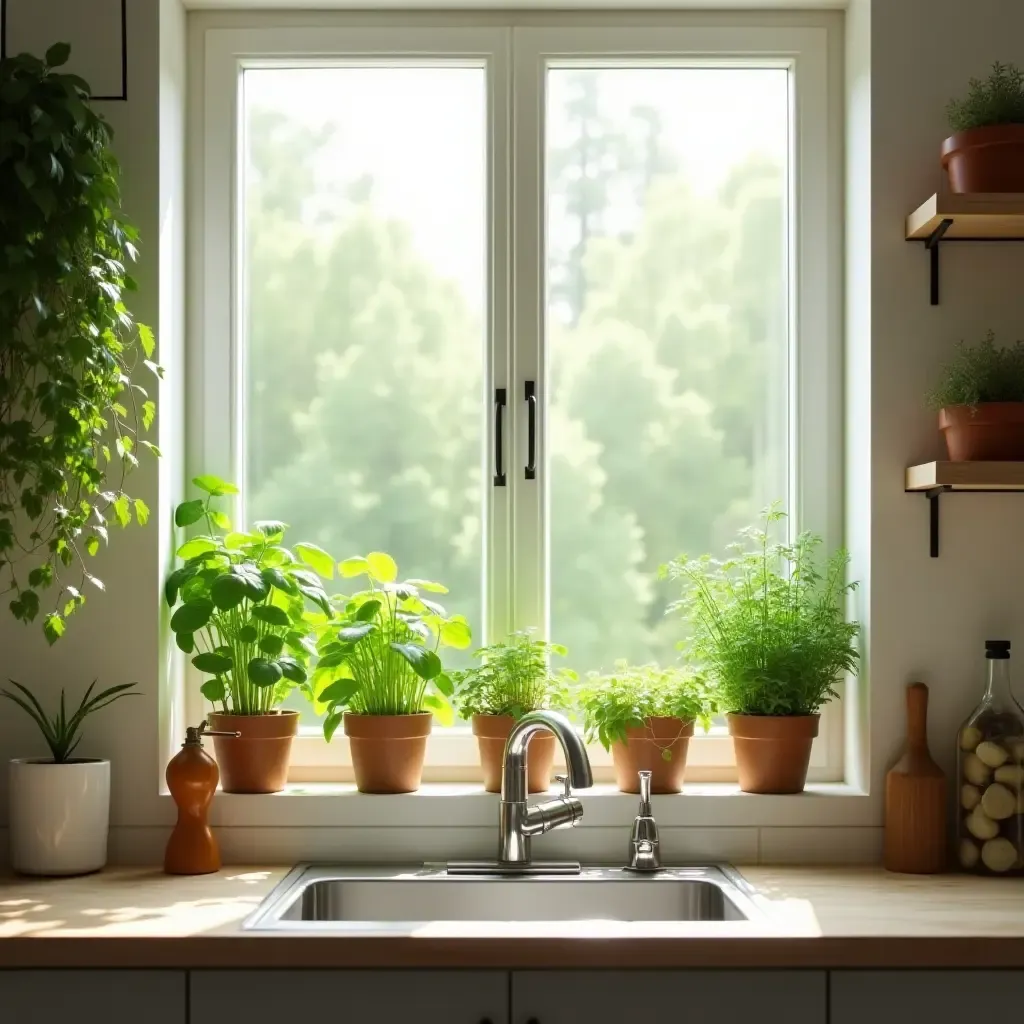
(916, 799)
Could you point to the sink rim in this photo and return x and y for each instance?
(268, 916)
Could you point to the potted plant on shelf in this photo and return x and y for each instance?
(980, 401)
(387, 680)
(248, 610)
(769, 628)
(60, 806)
(513, 677)
(72, 411)
(985, 153)
(644, 715)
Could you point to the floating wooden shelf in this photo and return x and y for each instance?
(933, 479)
(980, 217)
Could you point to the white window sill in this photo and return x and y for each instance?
(464, 805)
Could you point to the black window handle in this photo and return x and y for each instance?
(499, 447)
(530, 394)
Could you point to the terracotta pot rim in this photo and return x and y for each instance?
(772, 727)
(274, 726)
(661, 727)
(388, 727)
(983, 412)
(986, 135)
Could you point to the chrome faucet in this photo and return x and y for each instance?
(644, 846)
(518, 822)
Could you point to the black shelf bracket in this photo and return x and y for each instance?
(931, 243)
(934, 493)
(934, 242)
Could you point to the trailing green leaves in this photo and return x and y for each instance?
(71, 410)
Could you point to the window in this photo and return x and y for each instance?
(615, 243)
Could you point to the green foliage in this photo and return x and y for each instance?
(383, 660)
(63, 734)
(626, 698)
(981, 373)
(247, 604)
(999, 99)
(513, 677)
(769, 627)
(71, 410)
(368, 435)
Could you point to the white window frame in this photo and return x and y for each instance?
(517, 48)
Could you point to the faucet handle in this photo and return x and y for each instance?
(566, 786)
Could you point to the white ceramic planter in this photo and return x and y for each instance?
(59, 816)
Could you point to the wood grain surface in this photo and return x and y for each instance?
(820, 917)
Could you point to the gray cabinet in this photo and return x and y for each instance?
(92, 997)
(934, 997)
(349, 997)
(669, 997)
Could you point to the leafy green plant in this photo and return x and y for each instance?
(63, 734)
(626, 698)
(981, 373)
(71, 411)
(247, 608)
(384, 658)
(513, 677)
(769, 626)
(999, 99)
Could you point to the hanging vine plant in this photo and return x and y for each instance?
(71, 409)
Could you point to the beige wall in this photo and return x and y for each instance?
(926, 618)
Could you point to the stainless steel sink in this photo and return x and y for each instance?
(389, 899)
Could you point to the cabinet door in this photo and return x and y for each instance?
(92, 997)
(668, 997)
(935, 997)
(349, 997)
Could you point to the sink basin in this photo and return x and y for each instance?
(318, 898)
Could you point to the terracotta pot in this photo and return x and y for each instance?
(989, 159)
(256, 761)
(388, 750)
(644, 751)
(990, 432)
(491, 732)
(773, 751)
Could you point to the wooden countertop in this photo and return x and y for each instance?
(825, 917)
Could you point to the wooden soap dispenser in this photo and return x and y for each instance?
(192, 777)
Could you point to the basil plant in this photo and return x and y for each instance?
(247, 608)
(382, 656)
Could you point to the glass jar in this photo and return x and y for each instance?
(990, 775)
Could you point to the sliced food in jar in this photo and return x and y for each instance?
(970, 797)
(975, 770)
(998, 802)
(1010, 774)
(980, 825)
(970, 737)
(999, 855)
(969, 853)
(992, 754)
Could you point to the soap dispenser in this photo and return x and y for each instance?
(192, 777)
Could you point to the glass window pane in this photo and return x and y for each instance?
(667, 336)
(364, 310)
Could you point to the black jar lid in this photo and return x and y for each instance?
(997, 649)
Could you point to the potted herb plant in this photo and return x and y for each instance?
(60, 806)
(985, 153)
(513, 677)
(644, 715)
(980, 401)
(248, 610)
(770, 629)
(72, 410)
(387, 681)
